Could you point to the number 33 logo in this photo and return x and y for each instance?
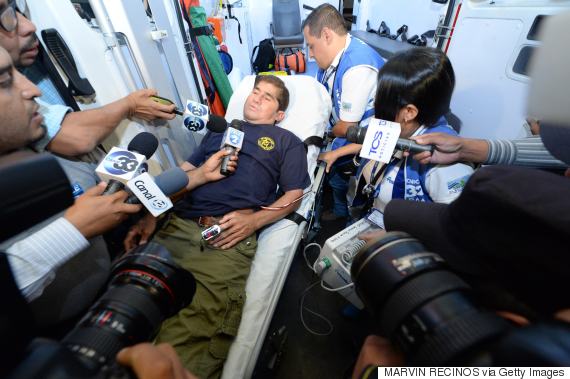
(125, 163)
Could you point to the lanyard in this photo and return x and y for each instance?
(369, 189)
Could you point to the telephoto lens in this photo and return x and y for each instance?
(417, 302)
(146, 287)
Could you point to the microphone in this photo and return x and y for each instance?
(120, 165)
(357, 134)
(232, 140)
(150, 194)
(169, 182)
(217, 124)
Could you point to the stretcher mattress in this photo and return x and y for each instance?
(307, 115)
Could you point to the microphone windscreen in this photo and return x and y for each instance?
(217, 124)
(144, 143)
(172, 180)
(236, 124)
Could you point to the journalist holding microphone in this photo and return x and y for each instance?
(414, 90)
(36, 255)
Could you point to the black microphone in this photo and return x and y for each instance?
(144, 144)
(232, 140)
(356, 134)
(217, 124)
(169, 181)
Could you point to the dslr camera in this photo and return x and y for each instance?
(146, 287)
(435, 319)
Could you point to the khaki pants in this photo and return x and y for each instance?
(203, 332)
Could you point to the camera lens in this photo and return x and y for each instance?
(418, 303)
(146, 287)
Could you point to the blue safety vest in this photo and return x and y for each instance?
(356, 54)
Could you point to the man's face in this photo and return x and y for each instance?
(319, 49)
(261, 106)
(21, 43)
(20, 122)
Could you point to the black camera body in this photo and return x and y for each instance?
(145, 288)
(433, 317)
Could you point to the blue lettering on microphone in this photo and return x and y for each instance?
(235, 136)
(77, 190)
(376, 142)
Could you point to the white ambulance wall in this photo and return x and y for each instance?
(89, 57)
(489, 98)
(96, 63)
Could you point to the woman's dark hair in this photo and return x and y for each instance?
(420, 76)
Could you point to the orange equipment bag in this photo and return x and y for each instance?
(288, 59)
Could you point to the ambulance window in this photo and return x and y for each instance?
(535, 28)
(83, 9)
(521, 64)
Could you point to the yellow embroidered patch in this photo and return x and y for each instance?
(266, 143)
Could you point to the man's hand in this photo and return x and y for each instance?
(93, 214)
(153, 362)
(140, 232)
(143, 107)
(372, 236)
(329, 157)
(447, 148)
(236, 226)
(376, 351)
(211, 168)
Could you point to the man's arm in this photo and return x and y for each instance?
(528, 151)
(35, 259)
(339, 129)
(82, 131)
(450, 149)
(237, 225)
(209, 171)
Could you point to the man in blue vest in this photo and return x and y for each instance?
(348, 69)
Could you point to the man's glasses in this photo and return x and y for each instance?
(9, 17)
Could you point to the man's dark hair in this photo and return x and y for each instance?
(325, 15)
(283, 96)
(423, 77)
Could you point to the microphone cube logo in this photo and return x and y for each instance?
(194, 124)
(196, 116)
(235, 137)
(159, 204)
(196, 109)
(121, 162)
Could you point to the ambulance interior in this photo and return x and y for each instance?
(292, 326)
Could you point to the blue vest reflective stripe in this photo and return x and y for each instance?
(357, 54)
(410, 181)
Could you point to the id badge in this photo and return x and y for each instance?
(376, 217)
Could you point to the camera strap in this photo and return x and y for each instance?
(376, 177)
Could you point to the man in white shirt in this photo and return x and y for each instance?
(348, 69)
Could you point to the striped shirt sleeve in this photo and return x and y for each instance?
(35, 259)
(529, 152)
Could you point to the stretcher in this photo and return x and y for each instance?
(307, 116)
